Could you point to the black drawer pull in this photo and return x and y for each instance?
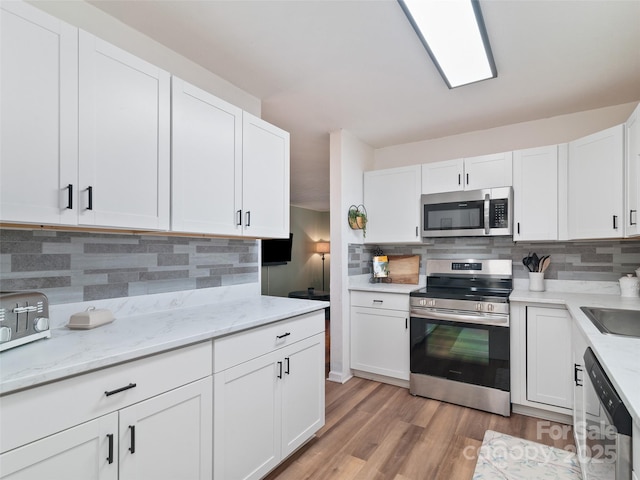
(631, 222)
(286, 368)
(279, 369)
(576, 369)
(70, 197)
(283, 335)
(248, 215)
(110, 457)
(239, 219)
(132, 429)
(118, 390)
(90, 190)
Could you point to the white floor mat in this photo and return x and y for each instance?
(503, 457)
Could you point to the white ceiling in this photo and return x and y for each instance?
(323, 65)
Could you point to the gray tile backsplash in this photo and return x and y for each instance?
(587, 261)
(77, 266)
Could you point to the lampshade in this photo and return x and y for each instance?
(322, 247)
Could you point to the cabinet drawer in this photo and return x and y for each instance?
(244, 346)
(387, 301)
(59, 405)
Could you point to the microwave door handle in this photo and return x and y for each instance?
(487, 204)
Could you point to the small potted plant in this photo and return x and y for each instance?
(358, 218)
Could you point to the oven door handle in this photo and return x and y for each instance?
(487, 207)
(497, 320)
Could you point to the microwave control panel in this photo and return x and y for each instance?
(499, 213)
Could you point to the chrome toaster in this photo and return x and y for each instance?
(24, 318)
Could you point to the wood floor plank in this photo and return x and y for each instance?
(381, 432)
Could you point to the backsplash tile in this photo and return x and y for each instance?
(77, 266)
(586, 261)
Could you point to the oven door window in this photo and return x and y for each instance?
(454, 216)
(465, 352)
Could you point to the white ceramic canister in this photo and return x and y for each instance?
(629, 286)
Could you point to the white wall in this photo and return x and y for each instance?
(305, 268)
(538, 133)
(93, 20)
(349, 157)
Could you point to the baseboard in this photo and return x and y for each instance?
(339, 377)
(543, 414)
(382, 378)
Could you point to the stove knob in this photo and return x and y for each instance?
(432, 303)
(490, 307)
(479, 307)
(40, 324)
(422, 302)
(5, 334)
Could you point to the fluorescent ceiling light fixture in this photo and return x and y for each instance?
(453, 33)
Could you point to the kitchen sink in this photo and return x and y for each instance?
(614, 321)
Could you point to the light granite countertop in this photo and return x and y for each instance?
(619, 355)
(134, 334)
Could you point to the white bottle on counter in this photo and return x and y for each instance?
(629, 286)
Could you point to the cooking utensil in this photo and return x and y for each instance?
(535, 262)
(526, 261)
(544, 263)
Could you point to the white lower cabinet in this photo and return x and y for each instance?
(380, 334)
(269, 399)
(150, 418)
(549, 358)
(78, 453)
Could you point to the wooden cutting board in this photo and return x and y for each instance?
(404, 268)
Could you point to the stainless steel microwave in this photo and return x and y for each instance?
(474, 213)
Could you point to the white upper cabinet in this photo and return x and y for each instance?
(488, 171)
(206, 173)
(446, 176)
(392, 200)
(38, 117)
(535, 194)
(595, 185)
(124, 138)
(264, 207)
(473, 173)
(632, 164)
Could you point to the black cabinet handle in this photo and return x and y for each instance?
(459, 179)
(576, 369)
(279, 369)
(239, 214)
(286, 368)
(631, 222)
(518, 228)
(118, 390)
(406, 323)
(90, 190)
(110, 457)
(467, 179)
(248, 215)
(132, 430)
(70, 197)
(615, 222)
(283, 335)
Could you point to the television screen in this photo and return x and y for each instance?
(277, 251)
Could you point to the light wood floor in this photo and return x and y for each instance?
(375, 431)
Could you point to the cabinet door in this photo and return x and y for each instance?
(535, 193)
(488, 171)
(38, 117)
(169, 436)
(392, 200)
(447, 176)
(123, 138)
(206, 173)
(549, 357)
(79, 453)
(302, 392)
(265, 172)
(632, 163)
(595, 185)
(380, 342)
(246, 416)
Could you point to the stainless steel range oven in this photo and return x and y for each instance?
(459, 333)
